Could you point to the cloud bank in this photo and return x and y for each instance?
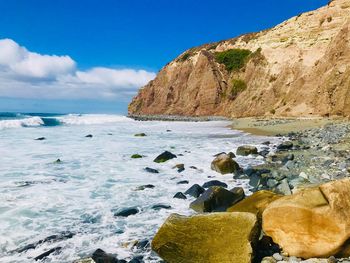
(26, 74)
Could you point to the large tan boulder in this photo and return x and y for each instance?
(256, 203)
(216, 237)
(315, 222)
(224, 164)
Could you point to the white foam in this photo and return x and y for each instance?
(89, 119)
(18, 123)
(97, 176)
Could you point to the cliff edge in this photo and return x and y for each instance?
(301, 67)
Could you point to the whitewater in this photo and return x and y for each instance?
(97, 177)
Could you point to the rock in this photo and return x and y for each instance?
(48, 253)
(140, 134)
(125, 212)
(214, 183)
(246, 150)
(224, 164)
(136, 156)
(99, 256)
(85, 260)
(58, 161)
(143, 187)
(283, 188)
(142, 244)
(238, 191)
(89, 136)
(216, 199)
(313, 222)
(268, 260)
(183, 182)
(161, 206)
(216, 237)
(180, 195)
(180, 167)
(165, 156)
(40, 139)
(50, 239)
(151, 170)
(195, 190)
(265, 247)
(271, 183)
(256, 203)
(194, 167)
(138, 259)
(264, 152)
(287, 145)
(277, 256)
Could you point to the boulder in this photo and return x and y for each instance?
(313, 222)
(256, 203)
(216, 199)
(224, 164)
(165, 156)
(246, 150)
(195, 190)
(216, 237)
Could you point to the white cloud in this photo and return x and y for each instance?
(26, 74)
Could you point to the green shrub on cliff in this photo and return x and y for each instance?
(233, 59)
(238, 86)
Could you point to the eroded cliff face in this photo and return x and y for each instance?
(298, 68)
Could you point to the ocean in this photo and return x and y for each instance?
(96, 177)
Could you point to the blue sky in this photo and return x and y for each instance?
(103, 41)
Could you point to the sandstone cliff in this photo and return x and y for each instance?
(298, 68)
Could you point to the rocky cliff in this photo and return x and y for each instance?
(298, 68)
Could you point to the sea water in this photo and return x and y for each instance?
(97, 177)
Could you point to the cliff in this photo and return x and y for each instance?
(298, 68)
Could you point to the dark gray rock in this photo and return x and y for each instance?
(287, 145)
(180, 195)
(151, 170)
(216, 199)
(125, 212)
(89, 136)
(55, 250)
(195, 190)
(143, 187)
(161, 206)
(40, 139)
(183, 182)
(214, 183)
(99, 256)
(165, 156)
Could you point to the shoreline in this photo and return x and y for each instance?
(176, 118)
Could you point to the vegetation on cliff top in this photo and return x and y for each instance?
(233, 59)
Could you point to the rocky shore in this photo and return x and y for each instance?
(175, 118)
(297, 211)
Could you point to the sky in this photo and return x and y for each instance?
(91, 56)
